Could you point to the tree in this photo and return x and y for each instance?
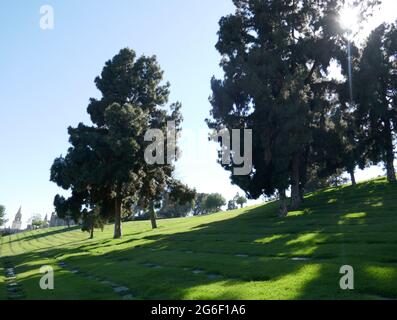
(334, 149)
(69, 209)
(177, 202)
(106, 165)
(349, 155)
(3, 220)
(170, 209)
(231, 205)
(376, 111)
(36, 221)
(275, 57)
(213, 203)
(240, 200)
(316, 181)
(199, 204)
(92, 219)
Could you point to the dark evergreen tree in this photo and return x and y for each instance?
(276, 56)
(91, 220)
(106, 165)
(376, 113)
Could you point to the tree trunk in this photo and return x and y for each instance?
(92, 232)
(352, 177)
(117, 219)
(303, 181)
(283, 211)
(152, 214)
(296, 199)
(302, 192)
(391, 172)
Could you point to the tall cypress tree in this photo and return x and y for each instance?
(106, 165)
(275, 57)
(376, 112)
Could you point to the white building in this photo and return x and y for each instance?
(17, 223)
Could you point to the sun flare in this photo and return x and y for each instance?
(349, 17)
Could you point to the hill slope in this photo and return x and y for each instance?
(244, 254)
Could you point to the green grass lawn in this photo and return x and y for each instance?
(243, 254)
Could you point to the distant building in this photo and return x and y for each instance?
(55, 221)
(17, 223)
(46, 223)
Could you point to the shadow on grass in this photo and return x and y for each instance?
(35, 236)
(298, 257)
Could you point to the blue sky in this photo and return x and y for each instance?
(46, 80)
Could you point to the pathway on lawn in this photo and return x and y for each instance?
(192, 270)
(124, 292)
(13, 287)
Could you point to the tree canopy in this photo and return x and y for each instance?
(36, 221)
(276, 56)
(376, 110)
(213, 203)
(106, 165)
(2, 215)
(240, 200)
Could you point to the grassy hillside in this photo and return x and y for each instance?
(244, 254)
